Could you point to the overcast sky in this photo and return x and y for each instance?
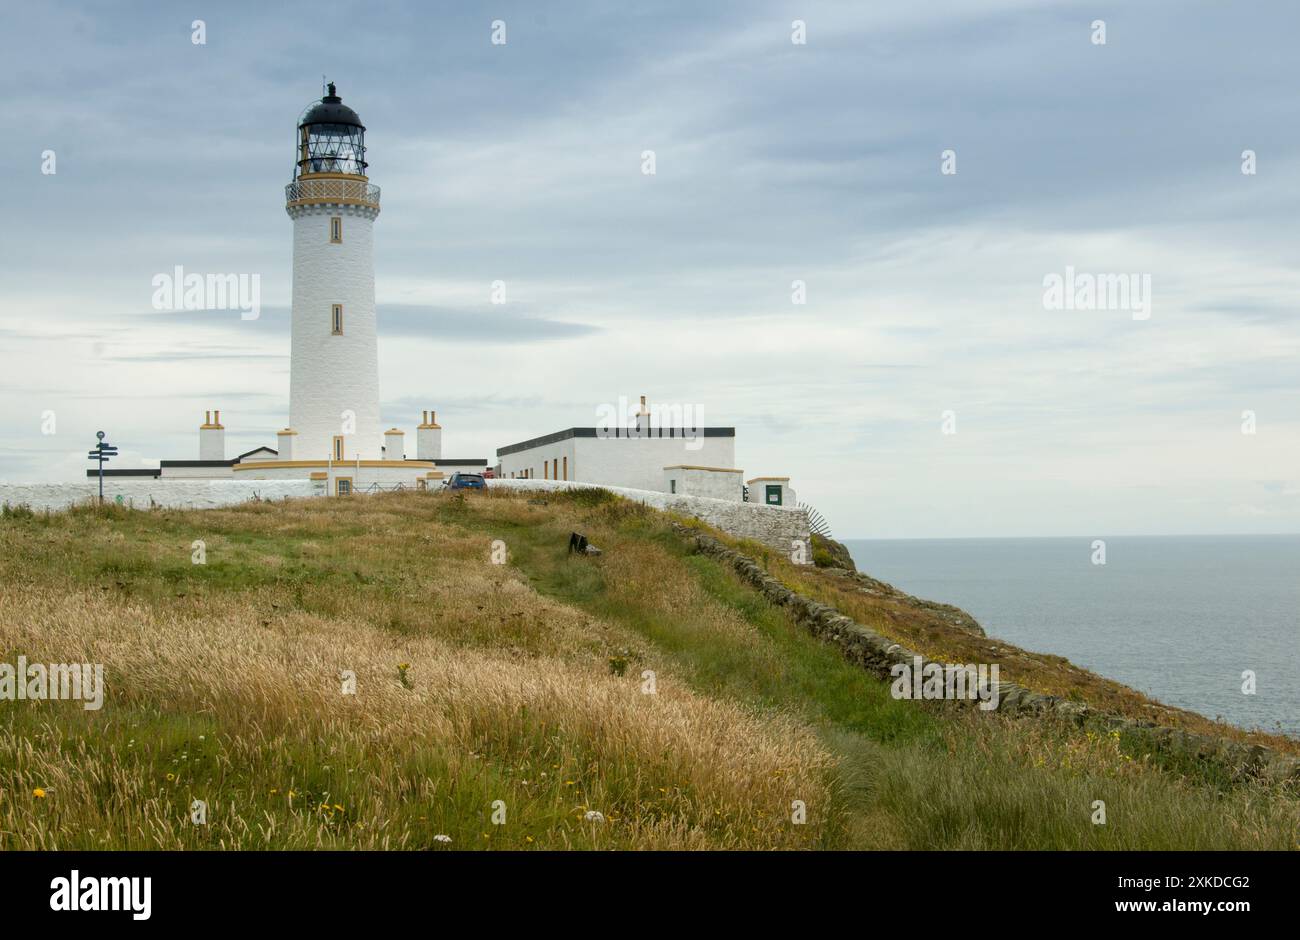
(775, 162)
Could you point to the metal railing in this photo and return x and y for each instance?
(357, 192)
(382, 488)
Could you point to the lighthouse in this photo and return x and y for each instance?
(334, 442)
(334, 352)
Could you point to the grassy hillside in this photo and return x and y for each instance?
(518, 682)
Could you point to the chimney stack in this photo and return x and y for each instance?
(643, 419)
(394, 444)
(428, 438)
(284, 443)
(212, 437)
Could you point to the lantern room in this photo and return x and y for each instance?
(331, 139)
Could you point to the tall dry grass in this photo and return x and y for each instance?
(225, 687)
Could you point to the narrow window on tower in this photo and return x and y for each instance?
(336, 319)
(336, 230)
(338, 446)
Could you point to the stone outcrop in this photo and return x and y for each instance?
(828, 553)
(877, 654)
(834, 558)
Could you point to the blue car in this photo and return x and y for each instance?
(465, 481)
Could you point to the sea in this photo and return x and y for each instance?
(1180, 618)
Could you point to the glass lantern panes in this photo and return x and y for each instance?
(332, 148)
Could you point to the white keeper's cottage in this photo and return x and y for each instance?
(647, 454)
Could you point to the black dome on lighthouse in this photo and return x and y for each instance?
(331, 110)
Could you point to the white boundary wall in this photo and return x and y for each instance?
(775, 526)
(172, 493)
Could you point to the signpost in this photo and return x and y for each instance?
(102, 452)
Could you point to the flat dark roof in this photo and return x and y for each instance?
(449, 462)
(217, 463)
(628, 433)
(145, 472)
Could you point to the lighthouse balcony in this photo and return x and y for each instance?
(331, 190)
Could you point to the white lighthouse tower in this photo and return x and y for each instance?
(334, 440)
(334, 365)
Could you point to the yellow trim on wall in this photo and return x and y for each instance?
(343, 464)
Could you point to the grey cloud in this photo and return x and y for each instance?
(464, 324)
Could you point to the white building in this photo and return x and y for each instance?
(713, 482)
(771, 491)
(686, 461)
(633, 456)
